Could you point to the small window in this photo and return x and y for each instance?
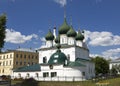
(16, 55)
(0, 57)
(20, 55)
(53, 74)
(16, 62)
(3, 71)
(28, 75)
(68, 57)
(29, 56)
(37, 75)
(7, 56)
(44, 59)
(83, 73)
(10, 55)
(10, 62)
(20, 63)
(19, 75)
(45, 74)
(4, 57)
(36, 57)
(55, 61)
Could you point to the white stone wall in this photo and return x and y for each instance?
(63, 74)
(47, 53)
(63, 39)
(81, 53)
(71, 41)
(79, 43)
(49, 43)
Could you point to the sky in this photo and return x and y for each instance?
(28, 21)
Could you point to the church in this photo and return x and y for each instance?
(65, 57)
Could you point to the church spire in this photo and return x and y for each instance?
(64, 11)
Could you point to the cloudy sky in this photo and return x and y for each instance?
(28, 22)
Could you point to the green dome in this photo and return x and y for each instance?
(57, 58)
(79, 36)
(57, 40)
(64, 28)
(71, 32)
(49, 36)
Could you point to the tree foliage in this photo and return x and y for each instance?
(101, 65)
(2, 30)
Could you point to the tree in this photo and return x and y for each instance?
(2, 30)
(101, 65)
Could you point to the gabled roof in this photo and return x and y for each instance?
(30, 68)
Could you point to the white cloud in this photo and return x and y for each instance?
(15, 37)
(43, 42)
(112, 53)
(61, 2)
(95, 55)
(103, 38)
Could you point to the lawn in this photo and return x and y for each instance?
(112, 82)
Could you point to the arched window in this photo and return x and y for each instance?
(37, 75)
(45, 59)
(3, 71)
(19, 75)
(68, 57)
(28, 75)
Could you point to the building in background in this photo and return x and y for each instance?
(115, 64)
(16, 58)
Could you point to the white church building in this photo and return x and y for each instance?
(65, 57)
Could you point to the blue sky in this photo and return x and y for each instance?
(29, 20)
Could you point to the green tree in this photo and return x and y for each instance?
(101, 65)
(2, 30)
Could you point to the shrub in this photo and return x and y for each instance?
(29, 82)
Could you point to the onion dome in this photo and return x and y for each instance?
(49, 36)
(64, 28)
(57, 40)
(57, 58)
(79, 36)
(71, 32)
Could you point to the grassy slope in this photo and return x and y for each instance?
(113, 82)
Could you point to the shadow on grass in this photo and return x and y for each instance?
(29, 82)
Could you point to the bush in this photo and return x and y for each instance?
(29, 82)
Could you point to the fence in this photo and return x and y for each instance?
(58, 78)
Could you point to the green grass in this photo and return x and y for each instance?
(113, 82)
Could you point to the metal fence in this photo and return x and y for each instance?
(58, 78)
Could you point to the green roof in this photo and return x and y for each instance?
(71, 32)
(82, 60)
(57, 58)
(49, 36)
(64, 27)
(30, 68)
(79, 36)
(76, 64)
